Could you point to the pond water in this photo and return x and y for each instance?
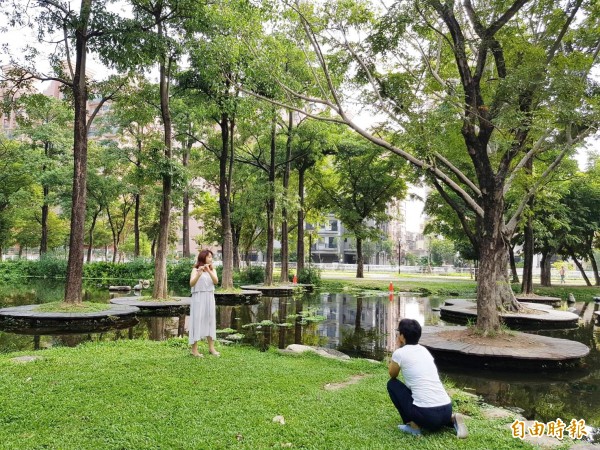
(361, 326)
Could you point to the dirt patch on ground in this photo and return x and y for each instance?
(501, 340)
(336, 386)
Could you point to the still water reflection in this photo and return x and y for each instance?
(360, 326)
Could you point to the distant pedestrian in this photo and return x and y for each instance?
(421, 400)
(202, 308)
(562, 273)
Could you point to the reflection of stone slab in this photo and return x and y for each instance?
(278, 290)
(119, 288)
(553, 301)
(543, 317)
(168, 308)
(26, 320)
(597, 316)
(245, 297)
(534, 352)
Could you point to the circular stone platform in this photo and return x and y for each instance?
(279, 290)
(533, 352)
(26, 320)
(237, 298)
(543, 317)
(553, 301)
(179, 306)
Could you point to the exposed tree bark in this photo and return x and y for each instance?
(73, 283)
(580, 267)
(359, 259)
(546, 269)
(91, 234)
(513, 265)
(594, 267)
(160, 290)
(300, 232)
(186, 204)
(527, 283)
(225, 174)
(271, 205)
(236, 232)
(284, 213)
(45, 207)
(136, 226)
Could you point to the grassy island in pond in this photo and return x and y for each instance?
(85, 397)
(84, 307)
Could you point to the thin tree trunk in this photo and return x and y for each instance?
(224, 197)
(359, 259)
(73, 282)
(271, 206)
(513, 265)
(545, 269)
(45, 208)
(160, 291)
(594, 267)
(580, 267)
(284, 214)
(186, 206)
(136, 227)
(114, 235)
(236, 235)
(91, 235)
(300, 242)
(527, 282)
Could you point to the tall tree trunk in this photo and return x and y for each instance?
(136, 226)
(300, 242)
(580, 267)
(310, 239)
(45, 207)
(114, 235)
(527, 283)
(160, 291)
(284, 216)
(224, 197)
(73, 282)
(359, 259)
(594, 267)
(236, 235)
(186, 206)
(513, 265)
(271, 206)
(91, 235)
(545, 269)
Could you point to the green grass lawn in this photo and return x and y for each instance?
(144, 394)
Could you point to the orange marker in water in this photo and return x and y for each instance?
(295, 279)
(391, 297)
(391, 287)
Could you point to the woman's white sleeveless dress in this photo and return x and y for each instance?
(202, 310)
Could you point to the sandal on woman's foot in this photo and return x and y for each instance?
(197, 355)
(215, 353)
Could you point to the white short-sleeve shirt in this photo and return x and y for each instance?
(421, 376)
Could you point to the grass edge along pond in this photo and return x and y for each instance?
(146, 394)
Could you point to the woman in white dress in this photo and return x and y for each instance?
(202, 309)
